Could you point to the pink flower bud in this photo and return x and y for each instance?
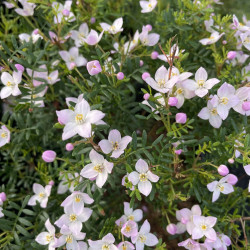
(19, 67)
(2, 196)
(92, 179)
(36, 31)
(172, 229)
(141, 63)
(154, 55)
(178, 152)
(149, 27)
(65, 12)
(145, 75)
(92, 20)
(146, 96)
(72, 65)
(232, 179)
(223, 170)
(172, 101)
(181, 118)
(246, 106)
(60, 121)
(49, 155)
(212, 14)
(94, 67)
(231, 55)
(69, 146)
(224, 42)
(120, 76)
(51, 183)
(231, 160)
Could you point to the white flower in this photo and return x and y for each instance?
(218, 187)
(4, 135)
(201, 85)
(79, 36)
(47, 238)
(115, 143)
(215, 36)
(182, 93)
(33, 37)
(173, 48)
(129, 46)
(99, 168)
(93, 38)
(11, 84)
(58, 8)
(245, 38)
(41, 195)
(148, 39)
(159, 99)
(247, 170)
(72, 58)
(9, 5)
(143, 177)
(144, 237)
(114, 28)
(28, 8)
(1, 213)
(43, 74)
(106, 243)
(53, 77)
(148, 6)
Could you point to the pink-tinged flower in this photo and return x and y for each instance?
(129, 214)
(125, 245)
(49, 155)
(225, 100)
(210, 113)
(51, 183)
(115, 28)
(201, 85)
(181, 118)
(143, 177)
(31, 98)
(223, 170)
(215, 36)
(69, 238)
(79, 120)
(73, 218)
(239, 26)
(161, 82)
(33, 37)
(66, 12)
(92, 20)
(74, 100)
(129, 46)
(245, 38)
(77, 200)
(43, 74)
(149, 27)
(240, 58)
(54, 38)
(11, 84)
(231, 55)
(171, 229)
(190, 244)
(2, 198)
(69, 146)
(141, 63)
(4, 135)
(79, 36)
(148, 39)
(9, 5)
(27, 10)
(203, 226)
(146, 96)
(172, 101)
(221, 186)
(178, 152)
(72, 58)
(107, 242)
(53, 77)
(247, 170)
(243, 94)
(41, 195)
(144, 237)
(94, 67)
(68, 183)
(99, 168)
(231, 161)
(130, 229)
(173, 49)
(221, 243)
(58, 9)
(145, 75)
(148, 6)
(232, 179)
(47, 238)
(115, 143)
(19, 67)
(209, 23)
(93, 38)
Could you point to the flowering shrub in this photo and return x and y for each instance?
(124, 125)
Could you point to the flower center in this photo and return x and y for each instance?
(112, 28)
(77, 198)
(201, 83)
(161, 83)
(131, 217)
(105, 247)
(98, 168)
(73, 217)
(41, 195)
(247, 40)
(142, 238)
(150, 5)
(220, 187)
(79, 119)
(69, 239)
(115, 145)
(211, 37)
(143, 177)
(179, 91)
(203, 227)
(214, 111)
(4, 134)
(49, 78)
(49, 238)
(9, 84)
(124, 247)
(127, 228)
(224, 100)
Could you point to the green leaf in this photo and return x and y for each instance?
(144, 138)
(134, 140)
(157, 140)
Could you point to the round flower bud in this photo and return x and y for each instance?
(19, 67)
(223, 170)
(181, 118)
(146, 96)
(154, 55)
(2, 196)
(172, 101)
(178, 151)
(69, 146)
(246, 106)
(72, 65)
(149, 27)
(51, 183)
(120, 76)
(49, 155)
(145, 75)
(36, 31)
(172, 229)
(232, 179)
(212, 14)
(94, 67)
(224, 42)
(92, 20)
(141, 63)
(231, 55)
(65, 12)
(231, 160)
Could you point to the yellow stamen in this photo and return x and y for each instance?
(143, 177)
(79, 118)
(73, 217)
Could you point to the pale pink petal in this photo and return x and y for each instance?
(210, 83)
(95, 157)
(145, 187)
(204, 114)
(152, 177)
(94, 116)
(133, 177)
(106, 146)
(201, 74)
(151, 240)
(141, 166)
(216, 195)
(124, 142)
(114, 136)
(210, 234)
(145, 228)
(101, 179)
(201, 92)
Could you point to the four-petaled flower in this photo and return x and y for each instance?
(114, 28)
(41, 195)
(106, 243)
(4, 135)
